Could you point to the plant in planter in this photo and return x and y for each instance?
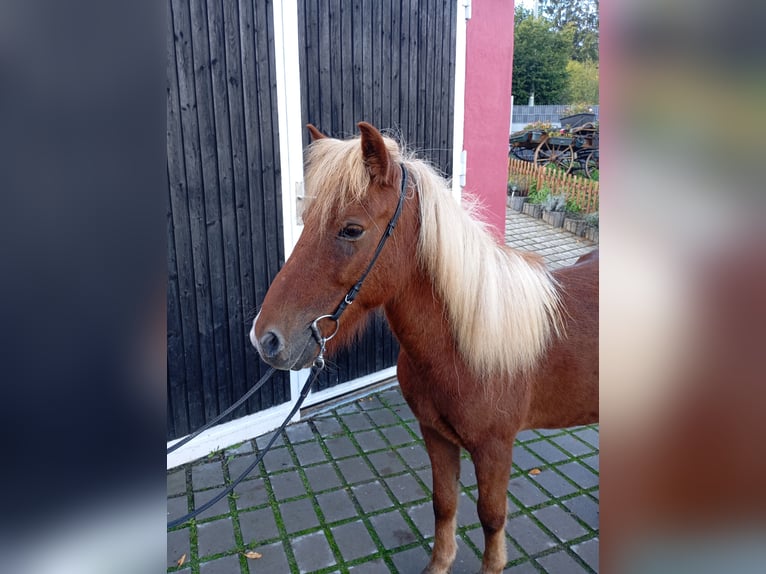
(534, 206)
(574, 220)
(536, 131)
(553, 210)
(591, 226)
(518, 191)
(516, 201)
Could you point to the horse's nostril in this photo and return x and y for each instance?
(271, 344)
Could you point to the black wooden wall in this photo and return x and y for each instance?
(225, 240)
(391, 63)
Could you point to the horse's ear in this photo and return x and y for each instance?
(375, 152)
(315, 133)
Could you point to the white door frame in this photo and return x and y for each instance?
(459, 157)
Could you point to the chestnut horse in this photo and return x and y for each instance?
(491, 341)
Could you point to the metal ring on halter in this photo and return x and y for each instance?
(319, 361)
(318, 333)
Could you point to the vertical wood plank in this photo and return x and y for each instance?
(367, 61)
(216, 335)
(346, 70)
(415, 57)
(324, 99)
(178, 414)
(358, 62)
(177, 379)
(396, 64)
(240, 223)
(186, 208)
(234, 376)
(386, 49)
(335, 71)
(376, 55)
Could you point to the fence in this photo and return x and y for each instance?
(580, 191)
(550, 113)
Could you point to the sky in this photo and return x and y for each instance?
(529, 4)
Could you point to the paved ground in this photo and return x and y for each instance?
(559, 248)
(349, 490)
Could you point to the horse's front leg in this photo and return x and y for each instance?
(493, 469)
(445, 467)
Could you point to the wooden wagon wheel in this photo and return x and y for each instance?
(590, 163)
(562, 157)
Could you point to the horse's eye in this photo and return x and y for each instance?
(351, 232)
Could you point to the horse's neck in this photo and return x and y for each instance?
(418, 318)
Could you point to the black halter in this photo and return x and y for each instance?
(354, 291)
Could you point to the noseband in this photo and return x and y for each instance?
(352, 293)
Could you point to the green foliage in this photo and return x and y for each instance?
(582, 83)
(539, 195)
(521, 183)
(546, 127)
(577, 108)
(554, 168)
(572, 206)
(540, 56)
(592, 219)
(580, 20)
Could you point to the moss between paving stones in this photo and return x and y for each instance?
(377, 402)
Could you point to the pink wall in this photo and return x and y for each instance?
(489, 59)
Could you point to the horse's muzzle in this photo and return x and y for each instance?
(294, 353)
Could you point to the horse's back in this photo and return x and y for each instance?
(580, 282)
(565, 388)
(591, 256)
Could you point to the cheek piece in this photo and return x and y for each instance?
(354, 291)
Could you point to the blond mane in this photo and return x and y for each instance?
(503, 305)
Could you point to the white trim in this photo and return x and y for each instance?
(458, 111)
(227, 434)
(510, 127)
(257, 424)
(286, 50)
(351, 386)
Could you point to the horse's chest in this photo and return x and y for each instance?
(439, 412)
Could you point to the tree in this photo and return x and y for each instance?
(581, 17)
(540, 56)
(582, 87)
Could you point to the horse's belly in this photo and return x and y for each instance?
(560, 402)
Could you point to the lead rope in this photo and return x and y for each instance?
(315, 370)
(228, 411)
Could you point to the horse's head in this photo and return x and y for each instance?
(352, 189)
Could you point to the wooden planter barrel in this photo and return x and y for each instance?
(533, 209)
(575, 225)
(554, 218)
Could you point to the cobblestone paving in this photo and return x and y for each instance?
(559, 248)
(349, 489)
